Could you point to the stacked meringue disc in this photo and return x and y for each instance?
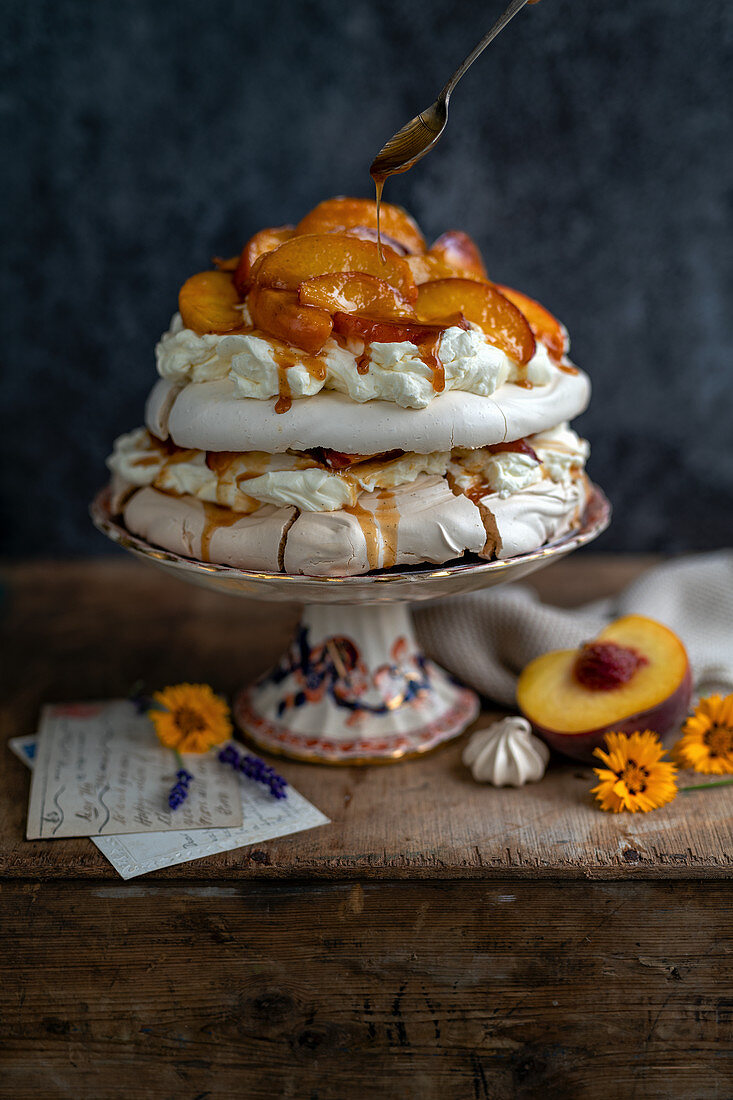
(329, 407)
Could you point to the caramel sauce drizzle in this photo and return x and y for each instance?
(379, 188)
(214, 517)
(379, 528)
(287, 356)
(427, 350)
(388, 519)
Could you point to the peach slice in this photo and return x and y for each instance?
(208, 303)
(353, 292)
(280, 313)
(304, 258)
(634, 676)
(544, 326)
(368, 234)
(460, 253)
(371, 330)
(426, 268)
(229, 263)
(266, 240)
(485, 306)
(345, 213)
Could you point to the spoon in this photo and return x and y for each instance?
(415, 139)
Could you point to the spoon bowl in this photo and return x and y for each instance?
(420, 134)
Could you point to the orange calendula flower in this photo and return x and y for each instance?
(194, 718)
(635, 776)
(707, 737)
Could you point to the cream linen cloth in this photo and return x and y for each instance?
(486, 639)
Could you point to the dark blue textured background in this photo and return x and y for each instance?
(589, 152)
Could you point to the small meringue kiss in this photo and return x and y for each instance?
(506, 754)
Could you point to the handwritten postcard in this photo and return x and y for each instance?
(100, 771)
(264, 818)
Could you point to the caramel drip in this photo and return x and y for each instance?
(379, 187)
(284, 400)
(368, 523)
(287, 356)
(388, 518)
(567, 368)
(379, 528)
(214, 517)
(476, 493)
(428, 352)
(362, 363)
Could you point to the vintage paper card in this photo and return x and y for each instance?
(99, 771)
(264, 818)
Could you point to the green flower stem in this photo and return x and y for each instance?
(705, 786)
(179, 759)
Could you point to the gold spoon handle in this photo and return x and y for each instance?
(511, 11)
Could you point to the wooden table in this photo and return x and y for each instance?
(440, 939)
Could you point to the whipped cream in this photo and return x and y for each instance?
(244, 481)
(561, 455)
(395, 372)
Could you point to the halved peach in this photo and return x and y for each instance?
(266, 240)
(345, 213)
(485, 306)
(354, 292)
(634, 676)
(460, 253)
(373, 330)
(208, 303)
(544, 326)
(306, 257)
(280, 313)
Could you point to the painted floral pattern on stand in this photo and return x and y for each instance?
(335, 668)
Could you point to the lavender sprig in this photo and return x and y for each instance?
(256, 769)
(179, 791)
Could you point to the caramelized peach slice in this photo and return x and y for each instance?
(426, 268)
(304, 258)
(460, 253)
(485, 306)
(544, 326)
(372, 330)
(368, 234)
(208, 303)
(344, 213)
(353, 292)
(222, 264)
(267, 240)
(279, 313)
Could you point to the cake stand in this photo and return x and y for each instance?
(353, 686)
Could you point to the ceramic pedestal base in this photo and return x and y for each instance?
(354, 687)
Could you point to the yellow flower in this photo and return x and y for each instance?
(707, 737)
(194, 718)
(635, 776)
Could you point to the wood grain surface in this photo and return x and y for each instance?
(88, 630)
(440, 940)
(431, 991)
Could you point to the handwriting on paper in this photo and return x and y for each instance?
(100, 771)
